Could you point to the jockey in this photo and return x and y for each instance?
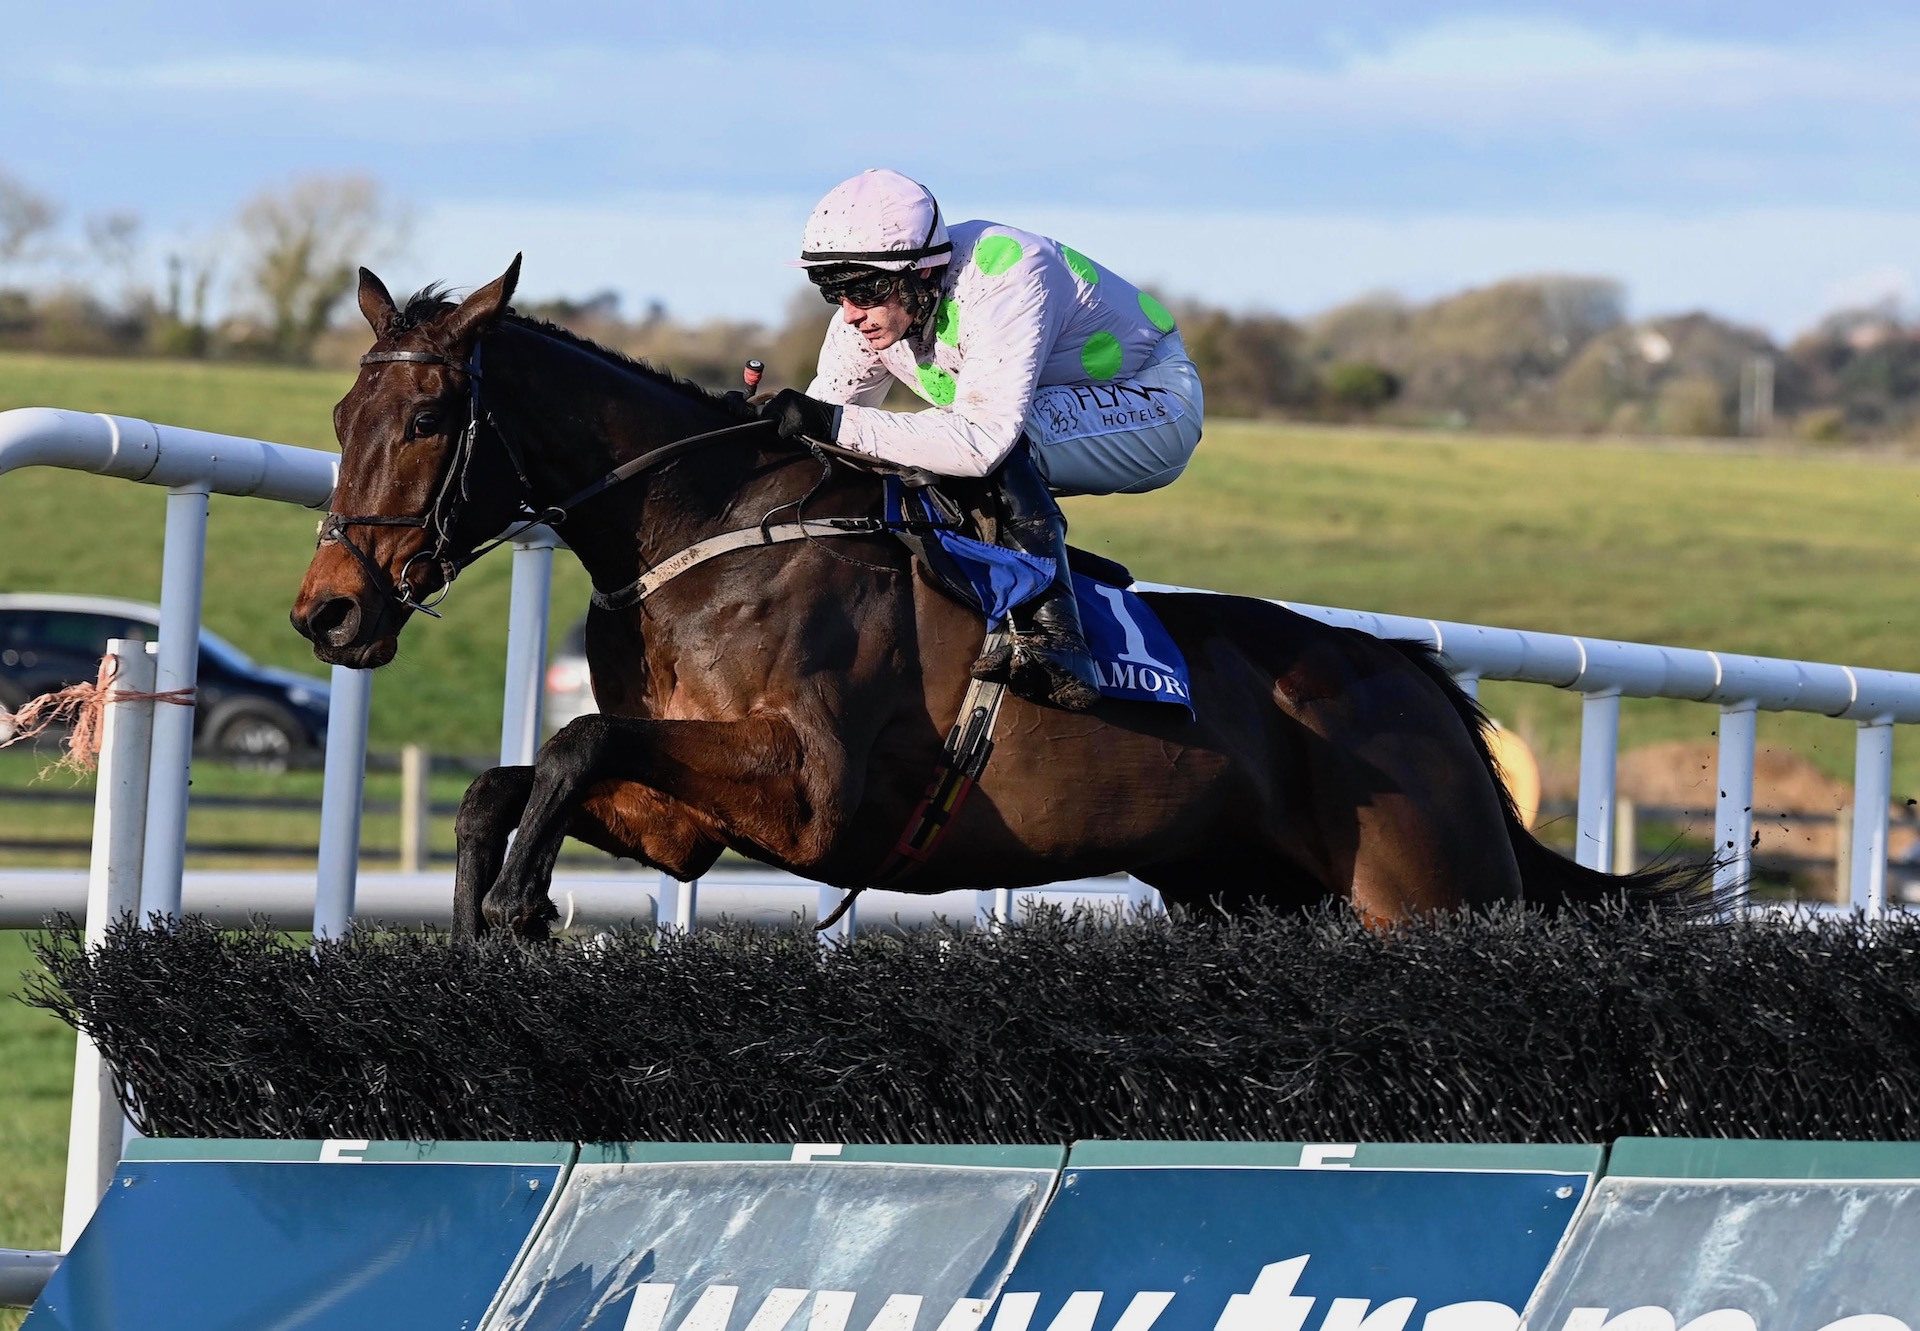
(1045, 371)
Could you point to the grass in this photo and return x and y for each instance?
(1799, 554)
(37, 1053)
(1785, 553)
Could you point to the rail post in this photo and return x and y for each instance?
(96, 1129)
(342, 795)
(415, 807)
(182, 580)
(1733, 807)
(527, 645)
(1872, 791)
(1626, 836)
(1599, 748)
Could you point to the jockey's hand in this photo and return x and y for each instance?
(799, 417)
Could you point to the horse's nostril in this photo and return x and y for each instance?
(334, 622)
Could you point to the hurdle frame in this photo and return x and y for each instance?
(140, 844)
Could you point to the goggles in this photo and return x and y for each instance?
(864, 290)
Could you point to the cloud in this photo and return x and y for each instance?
(1064, 110)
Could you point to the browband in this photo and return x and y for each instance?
(417, 357)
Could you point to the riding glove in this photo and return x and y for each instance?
(799, 417)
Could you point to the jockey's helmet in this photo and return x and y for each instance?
(878, 219)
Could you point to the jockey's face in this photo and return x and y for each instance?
(883, 324)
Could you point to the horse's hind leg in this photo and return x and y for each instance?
(1413, 823)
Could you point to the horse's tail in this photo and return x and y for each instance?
(1547, 877)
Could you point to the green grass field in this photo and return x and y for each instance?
(1801, 554)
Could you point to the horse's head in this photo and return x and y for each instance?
(422, 480)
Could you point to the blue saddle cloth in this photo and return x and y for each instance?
(1133, 654)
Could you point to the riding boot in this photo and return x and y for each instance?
(1046, 658)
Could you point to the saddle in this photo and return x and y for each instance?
(918, 515)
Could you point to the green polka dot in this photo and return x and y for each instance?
(995, 254)
(1082, 266)
(1156, 313)
(946, 322)
(1101, 357)
(937, 384)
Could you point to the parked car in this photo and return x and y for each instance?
(244, 709)
(569, 685)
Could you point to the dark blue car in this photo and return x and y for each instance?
(245, 709)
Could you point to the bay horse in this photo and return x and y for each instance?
(789, 701)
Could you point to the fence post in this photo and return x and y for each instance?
(415, 808)
(1626, 836)
(1842, 854)
(527, 645)
(170, 767)
(1733, 808)
(1599, 747)
(1872, 790)
(96, 1127)
(677, 903)
(342, 793)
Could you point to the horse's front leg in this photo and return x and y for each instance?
(618, 817)
(742, 777)
(489, 812)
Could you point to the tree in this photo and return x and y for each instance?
(113, 242)
(303, 246)
(1353, 385)
(25, 217)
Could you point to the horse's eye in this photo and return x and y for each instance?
(426, 424)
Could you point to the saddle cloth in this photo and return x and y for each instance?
(1134, 656)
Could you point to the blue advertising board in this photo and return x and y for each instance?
(357, 1236)
(1295, 1237)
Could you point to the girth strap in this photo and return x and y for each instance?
(962, 759)
(701, 551)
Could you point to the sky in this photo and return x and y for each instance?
(1754, 159)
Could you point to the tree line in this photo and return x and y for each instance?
(1543, 353)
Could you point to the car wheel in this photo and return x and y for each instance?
(257, 738)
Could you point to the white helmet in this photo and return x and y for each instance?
(878, 219)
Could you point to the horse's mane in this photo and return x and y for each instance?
(432, 301)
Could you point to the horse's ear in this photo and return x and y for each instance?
(479, 311)
(375, 303)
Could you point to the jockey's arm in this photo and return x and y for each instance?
(1008, 333)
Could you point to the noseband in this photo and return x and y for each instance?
(452, 492)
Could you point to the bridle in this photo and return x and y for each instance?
(452, 491)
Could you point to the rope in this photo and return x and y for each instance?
(83, 707)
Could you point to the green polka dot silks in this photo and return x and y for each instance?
(995, 254)
(1082, 266)
(937, 384)
(1101, 356)
(1156, 313)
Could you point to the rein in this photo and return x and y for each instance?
(451, 493)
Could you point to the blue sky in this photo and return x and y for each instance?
(1754, 159)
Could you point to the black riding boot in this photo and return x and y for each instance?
(1047, 656)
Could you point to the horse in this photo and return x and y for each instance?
(789, 700)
